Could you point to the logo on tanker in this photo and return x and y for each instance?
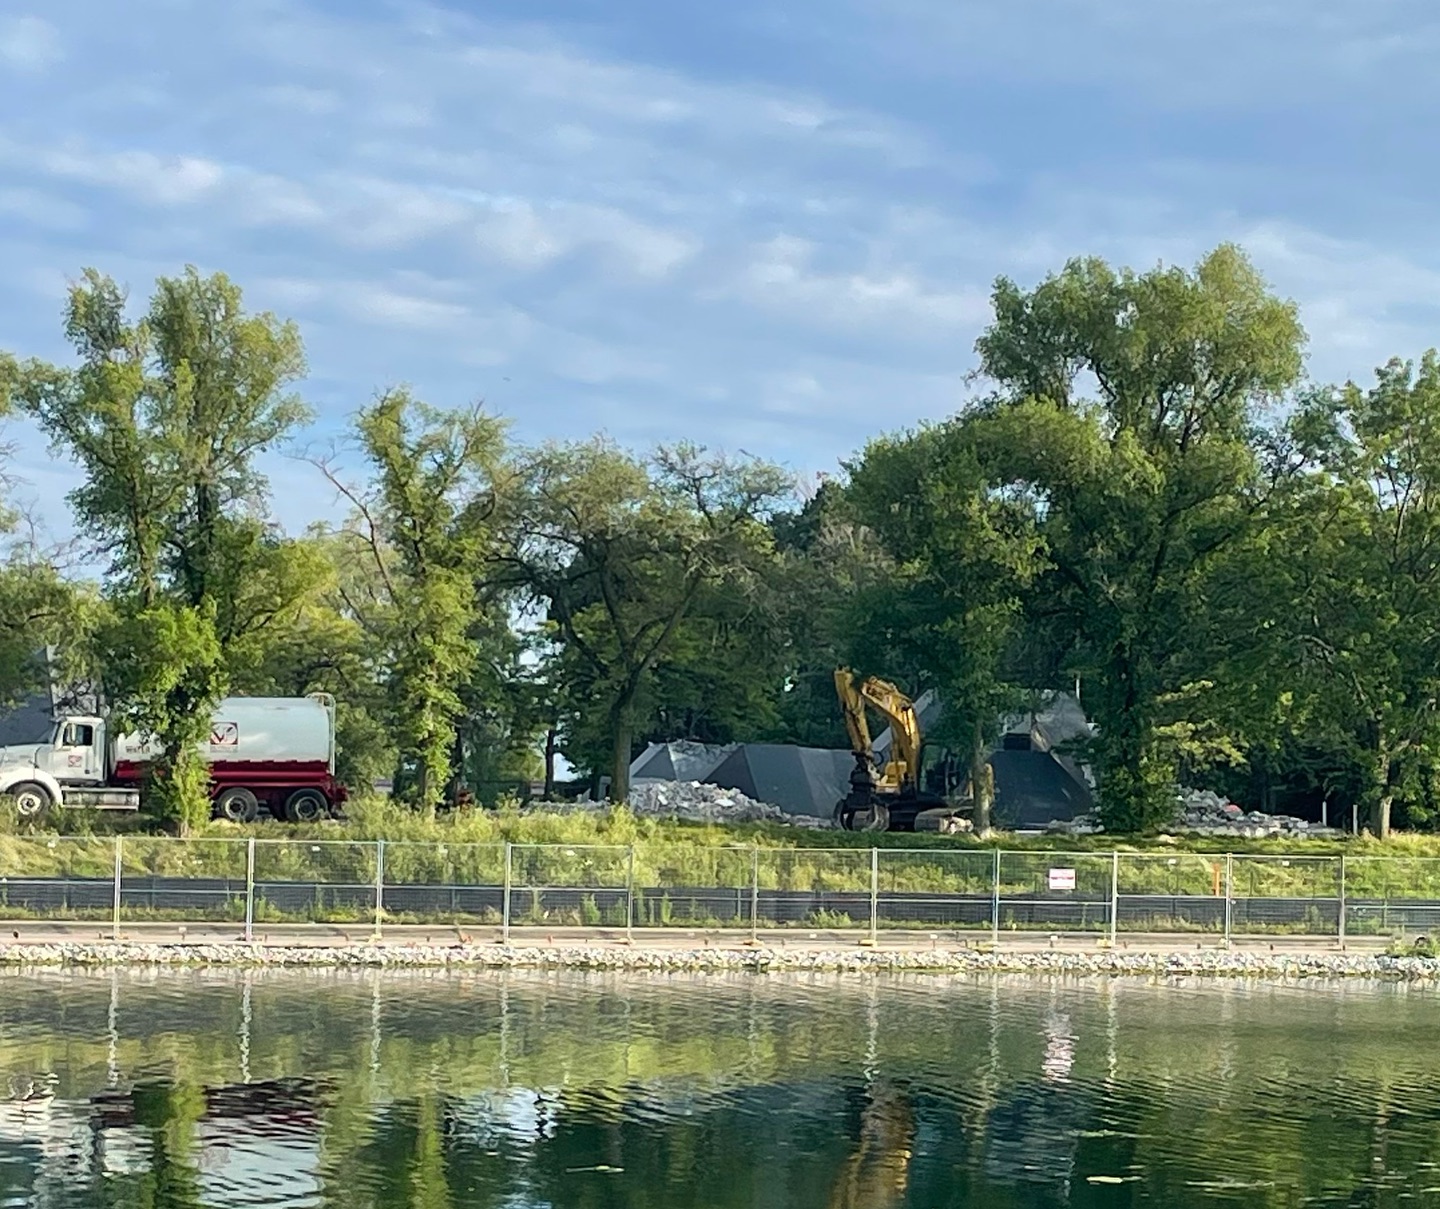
(225, 734)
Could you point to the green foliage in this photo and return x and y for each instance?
(424, 533)
(1141, 494)
(166, 415)
(621, 552)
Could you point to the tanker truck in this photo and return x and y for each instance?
(275, 752)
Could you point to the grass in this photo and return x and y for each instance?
(595, 852)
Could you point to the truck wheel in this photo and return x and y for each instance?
(306, 806)
(237, 806)
(31, 799)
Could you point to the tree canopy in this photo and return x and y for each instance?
(1144, 496)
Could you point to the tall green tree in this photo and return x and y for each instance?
(1350, 587)
(1140, 490)
(620, 550)
(166, 415)
(951, 609)
(426, 529)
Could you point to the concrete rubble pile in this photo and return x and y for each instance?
(1201, 812)
(696, 802)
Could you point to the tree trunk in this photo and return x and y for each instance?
(1382, 796)
(551, 745)
(982, 782)
(620, 760)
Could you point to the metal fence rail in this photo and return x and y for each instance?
(255, 882)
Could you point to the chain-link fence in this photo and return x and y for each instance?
(657, 885)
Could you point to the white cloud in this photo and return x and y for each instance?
(167, 180)
(41, 208)
(29, 43)
(393, 308)
(781, 249)
(780, 277)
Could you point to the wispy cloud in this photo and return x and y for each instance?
(29, 43)
(774, 226)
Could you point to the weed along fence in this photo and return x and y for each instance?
(656, 885)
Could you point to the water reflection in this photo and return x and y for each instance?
(381, 1091)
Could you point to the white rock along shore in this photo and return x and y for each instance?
(1188, 963)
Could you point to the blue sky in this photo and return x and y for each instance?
(766, 226)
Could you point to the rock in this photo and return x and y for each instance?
(1203, 812)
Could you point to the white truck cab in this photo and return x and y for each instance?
(71, 769)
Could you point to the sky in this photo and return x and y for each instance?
(769, 226)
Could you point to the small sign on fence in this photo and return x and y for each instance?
(1062, 879)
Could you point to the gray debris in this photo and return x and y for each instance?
(698, 802)
(1202, 812)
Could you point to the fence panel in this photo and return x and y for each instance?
(1170, 892)
(570, 885)
(182, 880)
(1285, 895)
(57, 877)
(444, 883)
(694, 885)
(1055, 891)
(1385, 895)
(934, 888)
(315, 881)
(814, 887)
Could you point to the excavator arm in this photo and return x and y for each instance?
(903, 768)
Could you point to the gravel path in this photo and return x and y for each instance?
(1214, 962)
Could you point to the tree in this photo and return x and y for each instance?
(1351, 587)
(425, 530)
(1141, 492)
(619, 550)
(166, 416)
(951, 608)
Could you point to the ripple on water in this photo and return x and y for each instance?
(289, 1088)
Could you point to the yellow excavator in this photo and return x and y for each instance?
(882, 798)
(877, 1173)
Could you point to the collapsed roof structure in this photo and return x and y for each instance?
(1037, 779)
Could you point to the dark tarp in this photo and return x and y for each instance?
(32, 721)
(799, 780)
(677, 761)
(1034, 787)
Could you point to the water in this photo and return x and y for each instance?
(170, 1090)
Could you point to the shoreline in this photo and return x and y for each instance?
(620, 957)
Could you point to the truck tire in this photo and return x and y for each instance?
(237, 806)
(306, 806)
(31, 799)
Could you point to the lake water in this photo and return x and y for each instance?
(170, 1090)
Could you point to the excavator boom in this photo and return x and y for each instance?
(890, 797)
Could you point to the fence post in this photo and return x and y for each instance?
(505, 901)
(755, 895)
(250, 890)
(874, 895)
(115, 922)
(379, 886)
(1340, 932)
(630, 896)
(1229, 893)
(1114, 894)
(995, 901)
